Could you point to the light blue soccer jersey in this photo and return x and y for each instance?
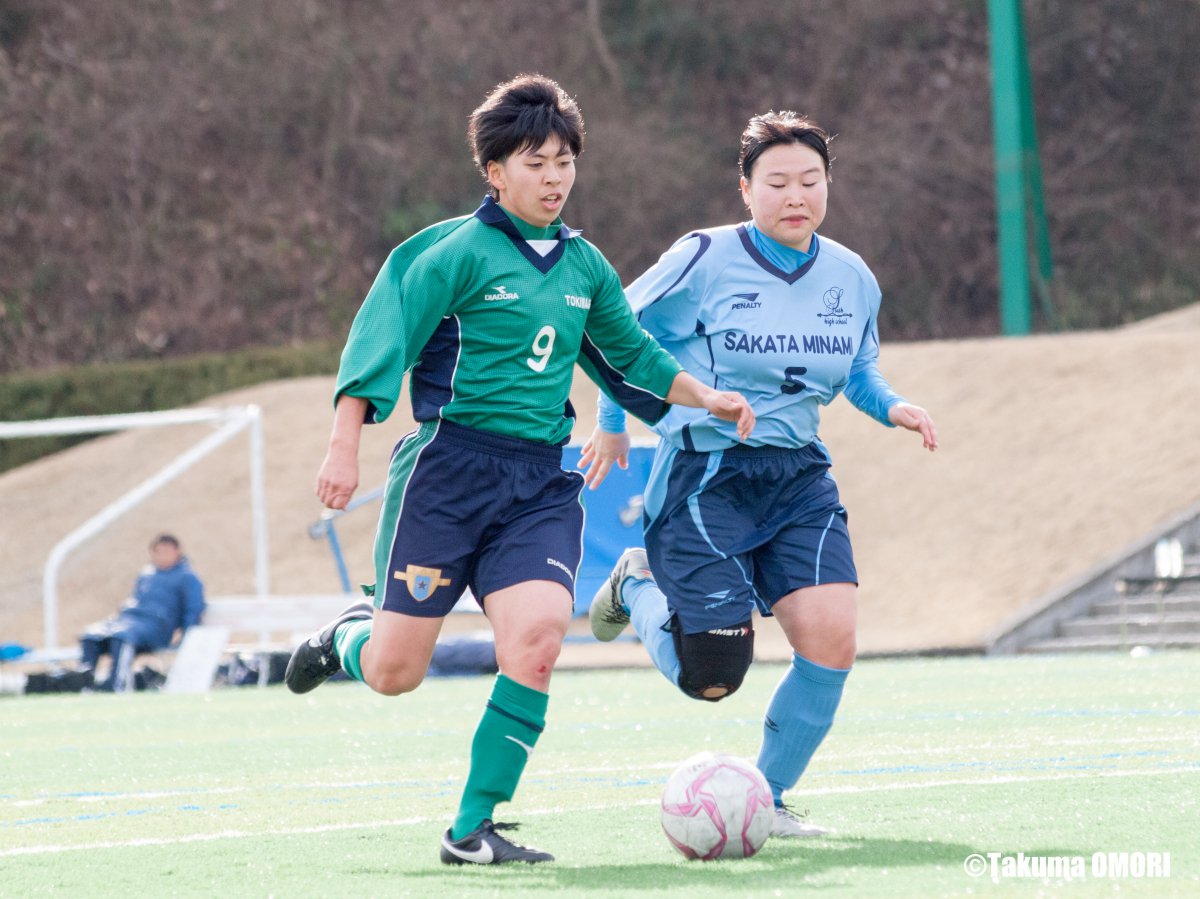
(789, 341)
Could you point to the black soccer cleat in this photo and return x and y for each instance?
(314, 661)
(483, 846)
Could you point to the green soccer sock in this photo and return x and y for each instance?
(348, 642)
(507, 732)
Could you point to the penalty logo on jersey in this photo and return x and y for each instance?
(421, 581)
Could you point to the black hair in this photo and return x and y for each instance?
(169, 539)
(785, 127)
(522, 114)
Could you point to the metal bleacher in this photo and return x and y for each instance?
(1148, 596)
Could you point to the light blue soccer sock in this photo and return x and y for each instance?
(348, 642)
(649, 613)
(798, 717)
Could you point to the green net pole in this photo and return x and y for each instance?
(1034, 196)
(1005, 38)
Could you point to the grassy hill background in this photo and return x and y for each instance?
(195, 177)
(1057, 451)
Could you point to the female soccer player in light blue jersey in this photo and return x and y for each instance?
(787, 318)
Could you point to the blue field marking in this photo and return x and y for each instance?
(376, 823)
(387, 791)
(120, 794)
(556, 783)
(973, 715)
(128, 813)
(349, 795)
(205, 791)
(1011, 766)
(1164, 760)
(1113, 713)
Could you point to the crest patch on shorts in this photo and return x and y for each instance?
(421, 581)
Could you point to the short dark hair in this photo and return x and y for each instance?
(168, 539)
(522, 114)
(784, 127)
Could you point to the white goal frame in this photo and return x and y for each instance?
(232, 420)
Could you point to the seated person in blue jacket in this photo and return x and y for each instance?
(166, 597)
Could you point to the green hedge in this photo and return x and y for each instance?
(142, 387)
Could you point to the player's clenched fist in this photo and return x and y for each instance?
(337, 480)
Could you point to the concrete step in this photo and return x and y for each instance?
(1172, 604)
(1188, 582)
(1094, 644)
(1102, 625)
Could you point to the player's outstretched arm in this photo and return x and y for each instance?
(724, 404)
(914, 418)
(338, 478)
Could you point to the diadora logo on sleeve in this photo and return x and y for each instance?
(748, 301)
(578, 302)
(834, 313)
(500, 293)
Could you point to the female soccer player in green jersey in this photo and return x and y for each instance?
(488, 314)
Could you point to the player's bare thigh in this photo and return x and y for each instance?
(530, 620)
(395, 659)
(820, 622)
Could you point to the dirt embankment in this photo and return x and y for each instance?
(1057, 451)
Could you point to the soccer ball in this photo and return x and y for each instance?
(717, 806)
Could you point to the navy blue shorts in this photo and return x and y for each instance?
(467, 508)
(728, 532)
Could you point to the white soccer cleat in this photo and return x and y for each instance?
(787, 824)
(608, 614)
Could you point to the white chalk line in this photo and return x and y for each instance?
(992, 781)
(876, 757)
(58, 849)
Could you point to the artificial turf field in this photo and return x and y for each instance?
(256, 792)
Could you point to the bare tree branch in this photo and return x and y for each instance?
(607, 60)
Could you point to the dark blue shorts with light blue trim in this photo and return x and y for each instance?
(730, 531)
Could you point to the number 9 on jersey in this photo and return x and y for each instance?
(543, 346)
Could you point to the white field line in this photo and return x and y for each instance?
(204, 837)
(992, 781)
(57, 849)
(1050, 742)
(876, 757)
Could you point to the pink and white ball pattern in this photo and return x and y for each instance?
(717, 806)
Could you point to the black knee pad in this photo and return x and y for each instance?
(712, 664)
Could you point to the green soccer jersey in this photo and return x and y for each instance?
(491, 314)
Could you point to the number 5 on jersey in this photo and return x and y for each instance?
(543, 346)
(792, 383)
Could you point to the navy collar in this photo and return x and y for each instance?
(770, 267)
(491, 213)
